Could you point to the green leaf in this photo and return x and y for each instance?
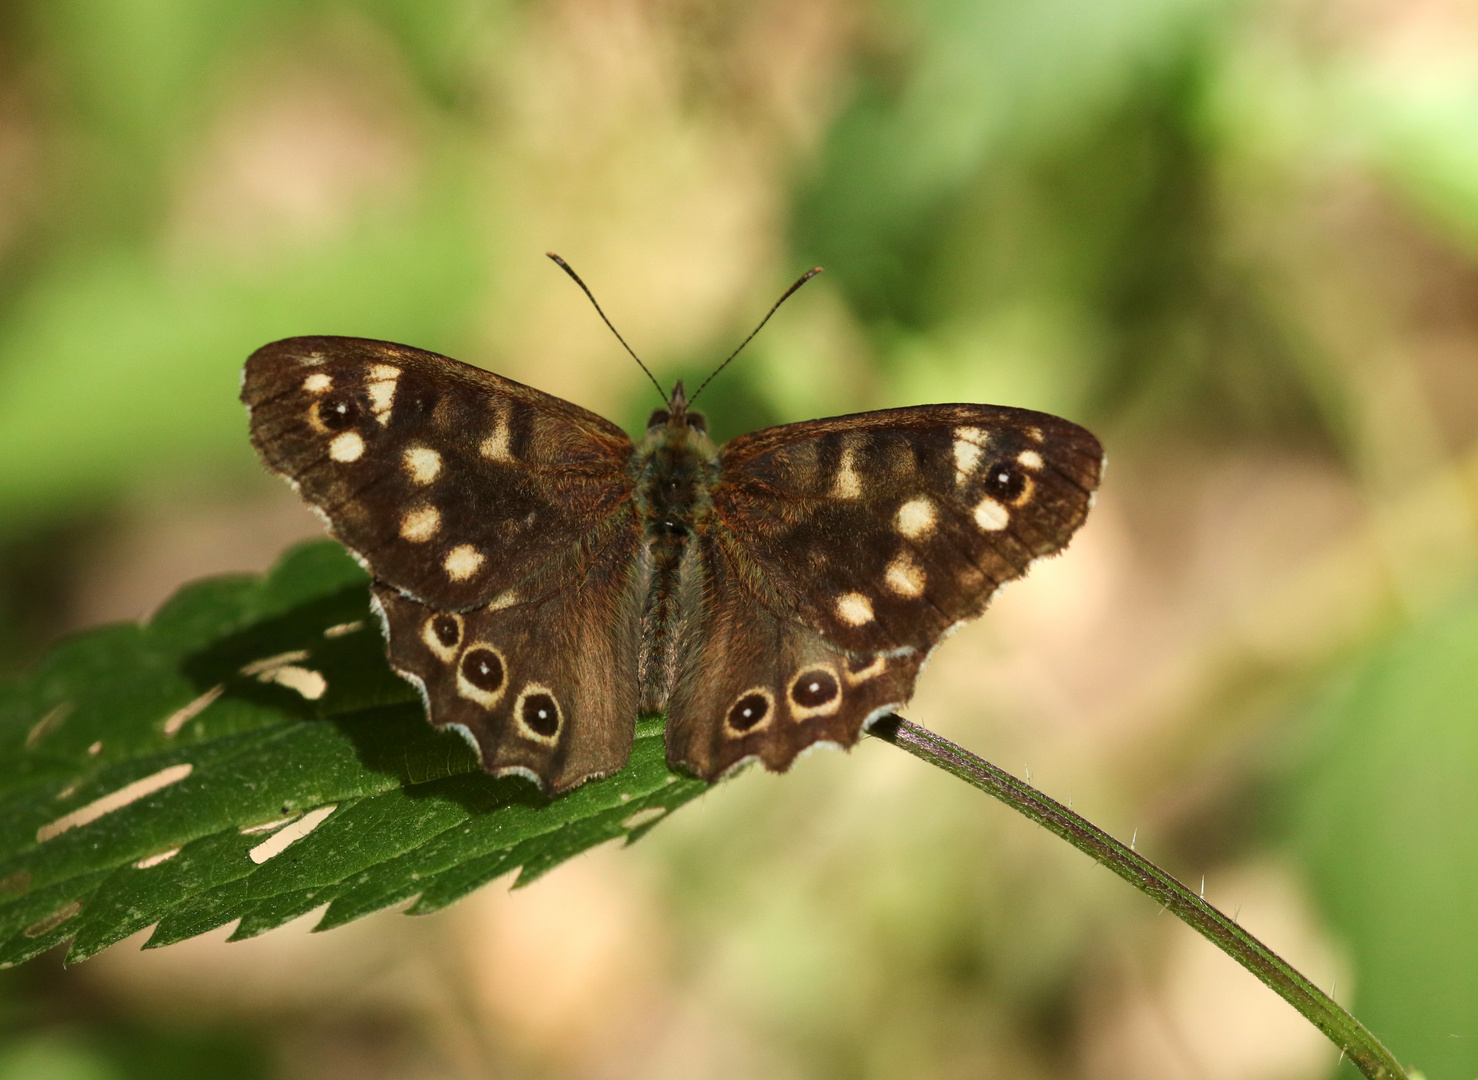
(1387, 820)
(967, 86)
(148, 357)
(249, 755)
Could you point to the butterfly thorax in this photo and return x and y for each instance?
(673, 469)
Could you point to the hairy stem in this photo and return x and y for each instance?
(1362, 1048)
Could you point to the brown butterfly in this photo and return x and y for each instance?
(544, 581)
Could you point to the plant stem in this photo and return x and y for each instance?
(1362, 1048)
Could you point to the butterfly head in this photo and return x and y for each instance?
(676, 415)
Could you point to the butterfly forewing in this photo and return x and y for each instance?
(451, 483)
(883, 530)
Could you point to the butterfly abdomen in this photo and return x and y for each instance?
(673, 468)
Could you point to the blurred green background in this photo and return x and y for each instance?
(1238, 239)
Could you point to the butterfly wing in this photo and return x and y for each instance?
(499, 526)
(449, 482)
(863, 540)
(544, 684)
(754, 685)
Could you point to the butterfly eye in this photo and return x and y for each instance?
(337, 412)
(483, 669)
(541, 714)
(657, 419)
(698, 422)
(748, 712)
(482, 674)
(538, 714)
(447, 631)
(442, 633)
(814, 688)
(816, 691)
(1006, 482)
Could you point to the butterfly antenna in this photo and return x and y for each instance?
(570, 270)
(807, 276)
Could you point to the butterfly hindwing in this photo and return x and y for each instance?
(882, 531)
(541, 679)
(451, 483)
(752, 685)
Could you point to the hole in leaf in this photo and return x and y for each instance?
(644, 816)
(116, 801)
(310, 684)
(155, 860)
(47, 724)
(267, 663)
(268, 826)
(55, 919)
(18, 883)
(279, 841)
(181, 717)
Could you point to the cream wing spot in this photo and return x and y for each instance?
(420, 525)
(857, 672)
(916, 519)
(497, 446)
(969, 444)
(971, 578)
(462, 562)
(318, 383)
(847, 484)
(346, 447)
(381, 388)
(506, 600)
(423, 463)
(1029, 459)
(854, 609)
(904, 576)
(991, 516)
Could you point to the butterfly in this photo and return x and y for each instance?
(545, 581)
